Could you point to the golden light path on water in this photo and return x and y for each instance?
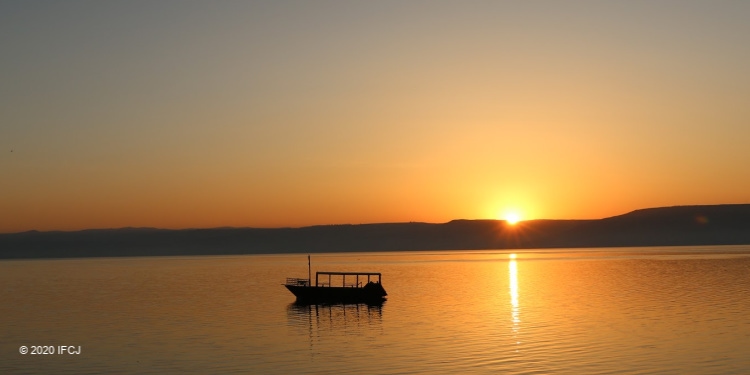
(513, 283)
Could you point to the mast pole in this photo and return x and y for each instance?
(309, 272)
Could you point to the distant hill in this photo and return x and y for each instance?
(666, 226)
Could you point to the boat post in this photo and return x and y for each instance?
(309, 273)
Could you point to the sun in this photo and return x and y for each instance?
(511, 214)
(512, 217)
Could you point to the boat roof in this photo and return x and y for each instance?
(347, 273)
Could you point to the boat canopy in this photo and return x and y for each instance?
(321, 281)
(349, 273)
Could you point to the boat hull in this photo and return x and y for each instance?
(372, 292)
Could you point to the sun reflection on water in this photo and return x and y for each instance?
(514, 311)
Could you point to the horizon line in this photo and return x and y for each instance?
(349, 224)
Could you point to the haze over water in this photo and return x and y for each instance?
(647, 310)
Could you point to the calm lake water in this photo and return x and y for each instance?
(677, 310)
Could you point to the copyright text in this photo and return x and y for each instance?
(49, 349)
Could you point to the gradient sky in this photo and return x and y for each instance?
(181, 114)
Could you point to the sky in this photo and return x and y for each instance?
(196, 114)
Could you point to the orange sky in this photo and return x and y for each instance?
(279, 113)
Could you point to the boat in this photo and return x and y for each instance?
(354, 287)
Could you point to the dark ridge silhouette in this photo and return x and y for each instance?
(666, 226)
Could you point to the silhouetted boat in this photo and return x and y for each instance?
(362, 287)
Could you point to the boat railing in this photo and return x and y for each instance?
(297, 281)
(323, 279)
(347, 285)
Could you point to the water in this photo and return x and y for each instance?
(678, 310)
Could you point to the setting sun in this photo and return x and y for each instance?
(512, 217)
